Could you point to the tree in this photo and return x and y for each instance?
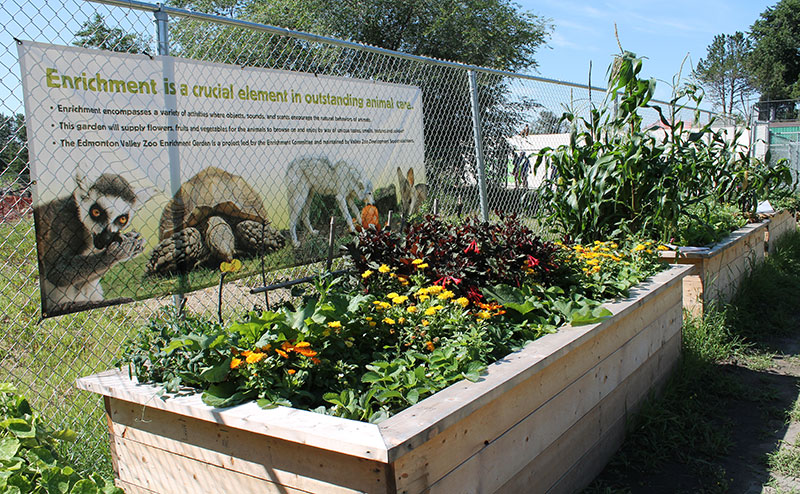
(489, 33)
(96, 33)
(13, 147)
(775, 59)
(548, 123)
(723, 73)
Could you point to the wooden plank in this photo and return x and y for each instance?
(133, 489)
(351, 437)
(414, 426)
(287, 463)
(587, 446)
(444, 451)
(501, 459)
(167, 473)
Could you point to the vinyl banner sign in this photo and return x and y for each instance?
(149, 172)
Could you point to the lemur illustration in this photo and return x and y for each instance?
(80, 238)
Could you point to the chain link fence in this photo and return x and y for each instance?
(479, 129)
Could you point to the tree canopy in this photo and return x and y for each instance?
(723, 72)
(96, 33)
(775, 60)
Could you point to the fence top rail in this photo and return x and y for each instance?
(255, 26)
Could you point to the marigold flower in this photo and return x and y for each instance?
(425, 322)
(255, 357)
(388, 320)
(392, 295)
(335, 324)
(266, 348)
(235, 363)
(417, 261)
(366, 274)
(281, 353)
(423, 297)
(446, 295)
(246, 353)
(434, 289)
(384, 268)
(315, 361)
(430, 311)
(372, 324)
(287, 347)
(483, 315)
(302, 344)
(639, 248)
(291, 371)
(430, 346)
(306, 352)
(462, 301)
(422, 266)
(412, 309)
(662, 247)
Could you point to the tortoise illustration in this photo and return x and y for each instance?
(214, 216)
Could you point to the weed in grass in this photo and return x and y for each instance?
(759, 361)
(786, 460)
(793, 415)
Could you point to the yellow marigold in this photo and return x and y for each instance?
(388, 320)
(255, 357)
(662, 247)
(423, 297)
(446, 295)
(613, 245)
(462, 301)
(235, 363)
(384, 268)
(434, 289)
(366, 274)
(425, 322)
(401, 320)
(392, 295)
(372, 324)
(422, 266)
(592, 262)
(399, 300)
(335, 324)
(639, 248)
(368, 318)
(430, 311)
(381, 304)
(412, 309)
(483, 315)
(417, 261)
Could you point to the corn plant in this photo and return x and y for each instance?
(618, 178)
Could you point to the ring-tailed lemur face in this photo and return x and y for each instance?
(105, 208)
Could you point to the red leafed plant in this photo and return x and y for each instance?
(464, 256)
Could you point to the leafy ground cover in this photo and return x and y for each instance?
(29, 460)
(728, 420)
(423, 308)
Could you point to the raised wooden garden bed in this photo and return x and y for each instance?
(779, 224)
(544, 419)
(720, 268)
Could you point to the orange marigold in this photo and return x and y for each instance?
(235, 363)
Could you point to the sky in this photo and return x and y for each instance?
(663, 32)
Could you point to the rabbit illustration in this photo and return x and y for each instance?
(411, 196)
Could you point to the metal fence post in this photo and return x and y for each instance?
(476, 132)
(170, 101)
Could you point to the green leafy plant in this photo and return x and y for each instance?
(619, 178)
(28, 459)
